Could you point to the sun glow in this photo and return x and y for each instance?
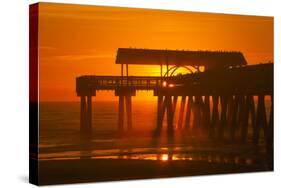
(164, 157)
(171, 85)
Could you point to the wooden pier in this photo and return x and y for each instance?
(220, 103)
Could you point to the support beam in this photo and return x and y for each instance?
(201, 115)
(159, 114)
(129, 111)
(197, 115)
(260, 120)
(127, 70)
(269, 145)
(163, 109)
(122, 74)
(234, 121)
(245, 122)
(121, 114)
(241, 113)
(252, 111)
(223, 120)
(181, 113)
(271, 116)
(89, 117)
(83, 117)
(170, 116)
(207, 113)
(229, 115)
(175, 100)
(188, 112)
(215, 116)
(84, 130)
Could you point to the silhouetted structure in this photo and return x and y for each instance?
(177, 58)
(221, 98)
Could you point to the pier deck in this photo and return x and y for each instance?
(253, 79)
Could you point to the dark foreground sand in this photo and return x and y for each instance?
(78, 171)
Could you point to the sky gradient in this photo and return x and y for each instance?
(77, 40)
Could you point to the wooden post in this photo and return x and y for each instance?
(121, 114)
(84, 132)
(159, 107)
(201, 110)
(188, 112)
(269, 148)
(170, 115)
(223, 119)
(127, 70)
(83, 117)
(197, 114)
(89, 117)
(234, 121)
(160, 114)
(263, 122)
(175, 100)
(229, 114)
(260, 120)
(252, 111)
(129, 111)
(245, 121)
(271, 117)
(241, 113)
(163, 108)
(256, 128)
(207, 113)
(181, 114)
(122, 74)
(215, 116)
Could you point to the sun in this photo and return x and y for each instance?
(164, 157)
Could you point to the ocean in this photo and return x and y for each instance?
(59, 137)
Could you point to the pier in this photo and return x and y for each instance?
(223, 100)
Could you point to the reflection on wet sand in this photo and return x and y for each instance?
(169, 149)
(130, 158)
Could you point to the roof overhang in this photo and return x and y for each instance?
(179, 57)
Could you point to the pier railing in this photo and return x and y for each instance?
(86, 84)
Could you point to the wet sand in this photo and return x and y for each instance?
(96, 170)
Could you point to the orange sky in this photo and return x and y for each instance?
(78, 40)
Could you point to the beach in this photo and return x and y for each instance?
(77, 171)
(109, 156)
